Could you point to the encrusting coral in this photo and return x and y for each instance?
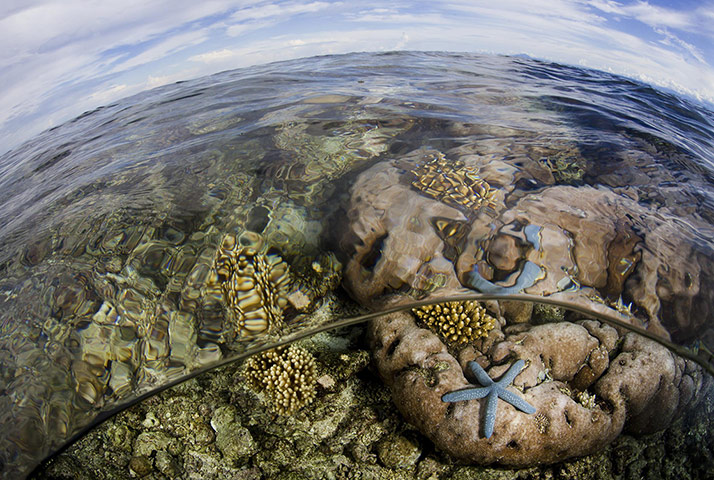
(287, 375)
(457, 322)
(254, 283)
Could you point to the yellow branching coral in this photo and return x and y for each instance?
(453, 183)
(254, 284)
(287, 375)
(456, 322)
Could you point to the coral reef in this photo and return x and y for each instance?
(590, 246)
(640, 390)
(254, 284)
(456, 322)
(214, 427)
(287, 375)
(311, 285)
(397, 239)
(314, 158)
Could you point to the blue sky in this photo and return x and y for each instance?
(60, 58)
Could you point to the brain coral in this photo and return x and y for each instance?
(253, 282)
(457, 322)
(287, 375)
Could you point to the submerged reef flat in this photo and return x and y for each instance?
(183, 227)
(216, 427)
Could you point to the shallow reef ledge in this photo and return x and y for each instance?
(410, 234)
(641, 390)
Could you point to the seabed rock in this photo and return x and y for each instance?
(362, 436)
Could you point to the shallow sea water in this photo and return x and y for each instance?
(533, 177)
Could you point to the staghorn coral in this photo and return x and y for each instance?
(457, 322)
(287, 375)
(453, 183)
(253, 282)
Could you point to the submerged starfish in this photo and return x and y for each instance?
(493, 390)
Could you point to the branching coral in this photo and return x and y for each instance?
(287, 375)
(457, 322)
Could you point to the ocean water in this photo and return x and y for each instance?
(127, 235)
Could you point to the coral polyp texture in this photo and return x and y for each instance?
(287, 376)
(254, 284)
(453, 183)
(457, 322)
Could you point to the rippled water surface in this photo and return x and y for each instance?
(179, 227)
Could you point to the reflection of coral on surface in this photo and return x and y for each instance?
(287, 375)
(253, 282)
(457, 322)
(453, 183)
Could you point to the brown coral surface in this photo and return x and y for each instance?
(404, 238)
(641, 389)
(286, 375)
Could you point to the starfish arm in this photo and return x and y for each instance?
(466, 394)
(512, 373)
(515, 400)
(480, 374)
(491, 407)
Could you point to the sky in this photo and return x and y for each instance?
(59, 58)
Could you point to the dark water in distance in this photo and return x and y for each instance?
(109, 223)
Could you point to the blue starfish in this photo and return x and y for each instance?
(493, 390)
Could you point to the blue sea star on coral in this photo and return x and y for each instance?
(492, 390)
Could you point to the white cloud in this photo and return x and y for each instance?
(269, 14)
(267, 10)
(380, 16)
(214, 56)
(402, 42)
(162, 49)
(652, 15)
(106, 96)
